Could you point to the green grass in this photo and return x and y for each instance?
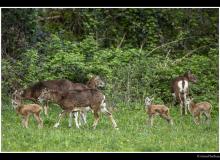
(133, 134)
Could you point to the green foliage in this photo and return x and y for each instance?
(136, 51)
(18, 29)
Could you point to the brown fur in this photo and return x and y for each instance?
(26, 110)
(174, 86)
(189, 77)
(94, 82)
(33, 92)
(75, 99)
(160, 110)
(198, 109)
(153, 110)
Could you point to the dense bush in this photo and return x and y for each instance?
(150, 48)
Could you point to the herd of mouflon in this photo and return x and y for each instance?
(77, 99)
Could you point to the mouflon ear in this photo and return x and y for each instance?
(15, 92)
(21, 92)
(90, 76)
(146, 100)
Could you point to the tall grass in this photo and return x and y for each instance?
(133, 134)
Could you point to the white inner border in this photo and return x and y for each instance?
(205, 153)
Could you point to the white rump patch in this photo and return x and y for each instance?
(182, 88)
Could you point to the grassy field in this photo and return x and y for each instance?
(133, 134)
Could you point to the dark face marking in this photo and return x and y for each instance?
(191, 77)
